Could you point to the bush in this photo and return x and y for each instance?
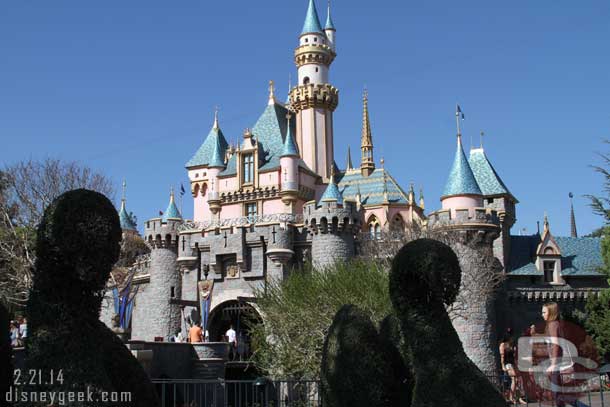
(299, 310)
(425, 278)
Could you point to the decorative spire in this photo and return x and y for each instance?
(411, 195)
(421, 198)
(348, 164)
(312, 22)
(290, 149)
(329, 21)
(367, 164)
(546, 224)
(271, 93)
(458, 115)
(461, 178)
(215, 126)
(123, 195)
(172, 211)
(573, 232)
(385, 184)
(481, 139)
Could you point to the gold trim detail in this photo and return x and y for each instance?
(309, 96)
(313, 54)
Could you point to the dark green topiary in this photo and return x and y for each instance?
(425, 277)
(6, 365)
(356, 368)
(392, 343)
(77, 244)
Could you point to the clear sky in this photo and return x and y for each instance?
(129, 88)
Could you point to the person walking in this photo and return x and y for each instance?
(507, 361)
(232, 339)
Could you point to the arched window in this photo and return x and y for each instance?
(397, 225)
(306, 80)
(374, 228)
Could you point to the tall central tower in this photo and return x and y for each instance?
(314, 99)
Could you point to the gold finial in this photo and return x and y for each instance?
(171, 193)
(421, 198)
(481, 139)
(271, 92)
(215, 117)
(382, 161)
(332, 173)
(124, 187)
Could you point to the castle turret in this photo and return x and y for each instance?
(156, 316)
(128, 223)
(314, 99)
(215, 167)
(332, 223)
(470, 230)
(289, 161)
(329, 30)
(200, 173)
(461, 190)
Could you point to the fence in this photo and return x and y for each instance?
(238, 393)
(264, 393)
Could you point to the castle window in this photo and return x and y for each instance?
(306, 40)
(316, 69)
(248, 168)
(306, 80)
(490, 200)
(251, 210)
(374, 229)
(549, 271)
(172, 292)
(315, 39)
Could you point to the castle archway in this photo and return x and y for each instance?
(239, 314)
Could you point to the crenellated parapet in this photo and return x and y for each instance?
(331, 217)
(482, 224)
(159, 234)
(314, 54)
(311, 95)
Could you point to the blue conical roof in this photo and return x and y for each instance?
(290, 149)
(172, 211)
(204, 154)
(312, 22)
(488, 179)
(217, 156)
(125, 218)
(332, 192)
(461, 179)
(329, 21)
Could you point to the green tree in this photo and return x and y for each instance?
(299, 310)
(598, 308)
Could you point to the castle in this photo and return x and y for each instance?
(278, 199)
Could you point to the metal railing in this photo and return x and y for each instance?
(238, 393)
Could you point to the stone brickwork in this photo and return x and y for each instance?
(471, 234)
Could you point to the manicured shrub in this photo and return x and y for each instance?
(425, 278)
(77, 244)
(356, 368)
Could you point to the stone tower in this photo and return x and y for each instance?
(314, 99)
(154, 314)
(470, 229)
(332, 225)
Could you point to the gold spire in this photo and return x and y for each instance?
(123, 195)
(367, 165)
(421, 198)
(171, 194)
(271, 92)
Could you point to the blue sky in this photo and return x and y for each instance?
(129, 88)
